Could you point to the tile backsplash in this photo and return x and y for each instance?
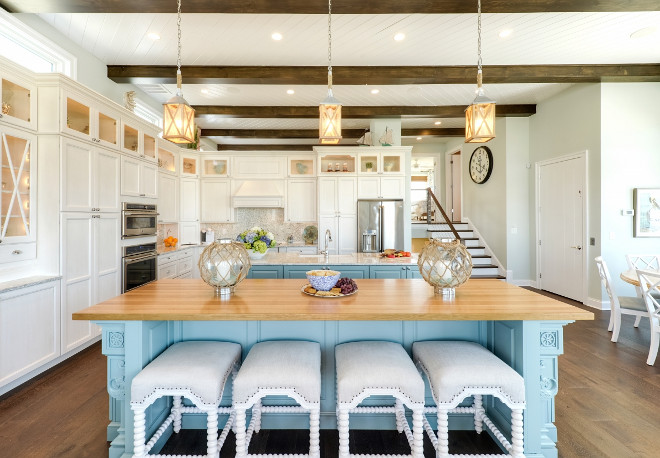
(271, 219)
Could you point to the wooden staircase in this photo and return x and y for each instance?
(482, 265)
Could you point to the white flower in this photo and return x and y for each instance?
(270, 235)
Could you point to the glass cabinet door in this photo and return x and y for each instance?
(149, 149)
(107, 126)
(15, 194)
(189, 165)
(301, 166)
(166, 160)
(78, 117)
(215, 167)
(131, 138)
(369, 163)
(393, 163)
(16, 103)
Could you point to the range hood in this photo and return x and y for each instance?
(257, 193)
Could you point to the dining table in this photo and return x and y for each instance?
(630, 276)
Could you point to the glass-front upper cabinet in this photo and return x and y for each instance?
(215, 166)
(17, 193)
(384, 162)
(149, 147)
(369, 162)
(90, 121)
(167, 160)
(393, 163)
(18, 102)
(300, 166)
(189, 165)
(337, 163)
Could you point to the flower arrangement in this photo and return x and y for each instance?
(257, 239)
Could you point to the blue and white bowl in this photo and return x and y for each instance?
(323, 280)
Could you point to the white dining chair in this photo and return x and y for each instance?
(619, 305)
(649, 281)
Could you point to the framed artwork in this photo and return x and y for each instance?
(647, 212)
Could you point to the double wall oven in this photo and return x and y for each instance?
(139, 222)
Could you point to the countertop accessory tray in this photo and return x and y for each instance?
(302, 290)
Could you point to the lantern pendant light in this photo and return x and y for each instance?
(329, 108)
(178, 115)
(480, 116)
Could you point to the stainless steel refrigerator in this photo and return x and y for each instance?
(380, 225)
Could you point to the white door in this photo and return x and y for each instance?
(455, 209)
(189, 199)
(215, 195)
(107, 174)
(368, 187)
(327, 196)
(347, 196)
(168, 198)
(347, 234)
(130, 176)
(561, 250)
(188, 233)
(392, 187)
(78, 280)
(77, 176)
(107, 259)
(301, 200)
(148, 180)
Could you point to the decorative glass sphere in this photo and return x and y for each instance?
(223, 264)
(445, 265)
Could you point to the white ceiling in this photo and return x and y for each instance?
(361, 40)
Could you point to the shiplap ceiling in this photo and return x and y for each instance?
(361, 40)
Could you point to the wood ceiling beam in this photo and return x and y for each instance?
(356, 112)
(314, 133)
(222, 147)
(321, 7)
(381, 75)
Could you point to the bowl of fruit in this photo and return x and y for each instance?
(323, 280)
(170, 241)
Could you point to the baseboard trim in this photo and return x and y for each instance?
(597, 304)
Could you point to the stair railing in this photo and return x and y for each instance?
(431, 201)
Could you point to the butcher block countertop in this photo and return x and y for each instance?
(376, 299)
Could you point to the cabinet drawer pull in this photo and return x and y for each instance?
(142, 195)
(17, 252)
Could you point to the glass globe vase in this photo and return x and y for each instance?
(445, 265)
(223, 264)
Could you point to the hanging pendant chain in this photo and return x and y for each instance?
(479, 35)
(178, 51)
(330, 44)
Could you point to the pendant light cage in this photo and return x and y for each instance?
(178, 115)
(329, 108)
(480, 115)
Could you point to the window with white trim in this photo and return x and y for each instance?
(147, 113)
(28, 48)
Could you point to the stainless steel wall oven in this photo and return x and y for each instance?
(138, 220)
(138, 266)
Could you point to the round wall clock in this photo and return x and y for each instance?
(481, 164)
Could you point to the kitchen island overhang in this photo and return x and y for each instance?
(521, 327)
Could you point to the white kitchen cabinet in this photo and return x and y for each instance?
(337, 162)
(308, 249)
(19, 101)
(89, 119)
(381, 187)
(29, 326)
(138, 178)
(300, 200)
(301, 166)
(18, 194)
(168, 198)
(258, 167)
(90, 257)
(138, 139)
(189, 232)
(189, 202)
(215, 166)
(168, 157)
(90, 177)
(215, 196)
(382, 161)
(337, 212)
(176, 264)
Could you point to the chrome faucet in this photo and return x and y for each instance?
(328, 239)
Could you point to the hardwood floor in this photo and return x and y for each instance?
(608, 405)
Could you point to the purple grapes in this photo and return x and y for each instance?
(347, 285)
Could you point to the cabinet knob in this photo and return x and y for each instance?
(142, 195)
(1, 115)
(16, 252)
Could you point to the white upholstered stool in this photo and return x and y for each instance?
(457, 370)
(194, 370)
(276, 368)
(375, 369)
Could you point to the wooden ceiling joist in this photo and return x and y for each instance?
(224, 147)
(321, 7)
(314, 133)
(380, 75)
(355, 112)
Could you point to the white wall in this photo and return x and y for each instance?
(91, 71)
(570, 123)
(630, 159)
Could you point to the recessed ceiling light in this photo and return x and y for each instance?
(153, 36)
(645, 32)
(276, 36)
(375, 91)
(399, 36)
(290, 91)
(419, 138)
(437, 123)
(204, 91)
(505, 33)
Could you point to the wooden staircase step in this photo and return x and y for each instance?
(497, 277)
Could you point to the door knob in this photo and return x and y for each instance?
(578, 247)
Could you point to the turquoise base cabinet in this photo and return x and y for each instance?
(530, 347)
(350, 271)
